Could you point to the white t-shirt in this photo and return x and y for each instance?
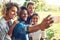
(37, 35)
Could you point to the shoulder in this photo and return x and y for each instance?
(2, 20)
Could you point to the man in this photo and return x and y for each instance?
(11, 10)
(30, 9)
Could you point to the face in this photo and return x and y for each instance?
(24, 15)
(30, 9)
(11, 13)
(34, 19)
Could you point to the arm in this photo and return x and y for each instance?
(11, 28)
(44, 25)
(41, 39)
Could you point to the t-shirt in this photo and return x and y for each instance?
(20, 31)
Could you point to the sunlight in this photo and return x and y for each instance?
(20, 2)
(53, 2)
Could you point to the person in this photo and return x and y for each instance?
(11, 10)
(21, 29)
(30, 9)
(19, 32)
(38, 34)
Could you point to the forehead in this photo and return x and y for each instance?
(35, 16)
(13, 7)
(30, 5)
(24, 11)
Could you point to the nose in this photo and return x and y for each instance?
(26, 16)
(31, 9)
(15, 13)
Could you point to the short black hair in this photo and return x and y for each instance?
(34, 15)
(21, 9)
(10, 4)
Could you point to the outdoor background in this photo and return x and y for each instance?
(43, 8)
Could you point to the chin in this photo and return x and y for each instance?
(25, 20)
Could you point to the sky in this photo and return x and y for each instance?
(53, 2)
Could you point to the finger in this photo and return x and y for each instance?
(48, 16)
(47, 26)
(50, 22)
(50, 19)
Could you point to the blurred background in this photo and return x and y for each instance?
(43, 8)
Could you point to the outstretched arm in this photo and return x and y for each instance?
(44, 25)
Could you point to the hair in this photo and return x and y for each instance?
(34, 15)
(9, 6)
(21, 9)
(20, 12)
(30, 3)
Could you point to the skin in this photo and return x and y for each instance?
(30, 9)
(11, 13)
(34, 19)
(43, 25)
(24, 15)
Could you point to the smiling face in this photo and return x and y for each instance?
(30, 9)
(12, 12)
(34, 19)
(24, 15)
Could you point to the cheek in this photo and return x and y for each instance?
(12, 15)
(29, 9)
(33, 20)
(22, 16)
(36, 20)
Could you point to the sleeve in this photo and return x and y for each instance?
(7, 37)
(23, 27)
(3, 34)
(26, 29)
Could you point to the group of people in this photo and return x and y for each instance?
(26, 27)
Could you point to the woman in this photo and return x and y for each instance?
(20, 31)
(36, 35)
(11, 10)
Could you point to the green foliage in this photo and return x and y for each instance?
(24, 3)
(50, 34)
(39, 5)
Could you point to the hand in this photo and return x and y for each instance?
(41, 39)
(15, 22)
(46, 22)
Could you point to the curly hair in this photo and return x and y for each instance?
(8, 6)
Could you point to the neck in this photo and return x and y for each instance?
(30, 14)
(7, 18)
(22, 20)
